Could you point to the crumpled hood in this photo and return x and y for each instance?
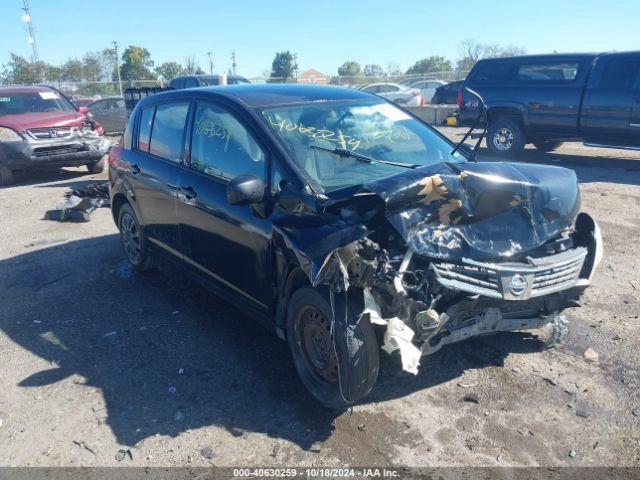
(478, 210)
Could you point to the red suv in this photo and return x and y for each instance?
(39, 126)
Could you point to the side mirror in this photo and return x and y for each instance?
(245, 189)
(83, 110)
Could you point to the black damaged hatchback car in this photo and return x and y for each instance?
(327, 213)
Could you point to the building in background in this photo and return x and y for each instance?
(313, 76)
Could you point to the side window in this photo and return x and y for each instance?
(98, 106)
(190, 83)
(548, 72)
(119, 103)
(620, 73)
(221, 146)
(168, 130)
(493, 72)
(144, 131)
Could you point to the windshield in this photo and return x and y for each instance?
(372, 128)
(33, 102)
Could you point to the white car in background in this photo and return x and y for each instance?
(428, 88)
(395, 92)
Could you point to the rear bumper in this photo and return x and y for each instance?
(29, 155)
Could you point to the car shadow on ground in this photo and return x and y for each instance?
(168, 356)
(588, 168)
(25, 178)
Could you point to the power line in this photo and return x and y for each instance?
(210, 63)
(26, 18)
(115, 48)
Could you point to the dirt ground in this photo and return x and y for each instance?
(96, 358)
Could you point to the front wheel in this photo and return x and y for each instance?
(505, 138)
(97, 167)
(546, 145)
(6, 176)
(315, 354)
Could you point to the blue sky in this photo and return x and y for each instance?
(323, 33)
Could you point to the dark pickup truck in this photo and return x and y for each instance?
(549, 99)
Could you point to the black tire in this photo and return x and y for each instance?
(555, 332)
(505, 138)
(6, 176)
(97, 167)
(361, 349)
(140, 258)
(546, 145)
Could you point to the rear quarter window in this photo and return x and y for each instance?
(531, 72)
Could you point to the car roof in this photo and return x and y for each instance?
(26, 89)
(550, 56)
(265, 95)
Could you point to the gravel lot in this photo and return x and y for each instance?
(97, 358)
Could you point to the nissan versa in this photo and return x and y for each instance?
(324, 211)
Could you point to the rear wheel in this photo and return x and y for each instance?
(6, 176)
(97, 167)
(546, 145)
(133, 240)
(315, 354)
(505, 138)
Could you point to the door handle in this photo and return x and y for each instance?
(135, 169)
(188, 192)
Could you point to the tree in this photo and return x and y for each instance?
(19, 70)
(283, 66)
(433, 63)
(470, 51)
(92, 67)
(192, 67)
(350, 68)
(170, 70)
(71, 70)
(373, 70)
(393, 69)
(136, 64)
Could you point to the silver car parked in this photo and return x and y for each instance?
(110, 112)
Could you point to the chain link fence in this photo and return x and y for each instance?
(103, 89)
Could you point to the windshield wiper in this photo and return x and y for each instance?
(345, 153)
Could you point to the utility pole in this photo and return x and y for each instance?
(115, 49)
(210, 63)
(233, 62)
(26, 18)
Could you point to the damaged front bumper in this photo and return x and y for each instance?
(74, 149)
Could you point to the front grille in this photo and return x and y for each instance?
(49, 133)
(61, 150)
(540, 276)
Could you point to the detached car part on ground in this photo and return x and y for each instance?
(382, 225)
(40, 127)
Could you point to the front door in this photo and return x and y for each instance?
(609, 99)
(228, 243)
(155, 168)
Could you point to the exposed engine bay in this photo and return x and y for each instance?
(444, 253)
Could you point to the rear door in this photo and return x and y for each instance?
(155, 169)
(551, 90)
(228, 243)
(610, 99)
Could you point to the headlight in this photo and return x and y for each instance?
(8, 135)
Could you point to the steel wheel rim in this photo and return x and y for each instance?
(131, 238)
(503, 139)
(316, 343)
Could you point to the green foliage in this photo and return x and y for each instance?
(169, 70)
(283, 66)
(350, 68)
(433, 63)
(373, 70)
(71, 70)
(19, 70)
(136, 64)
